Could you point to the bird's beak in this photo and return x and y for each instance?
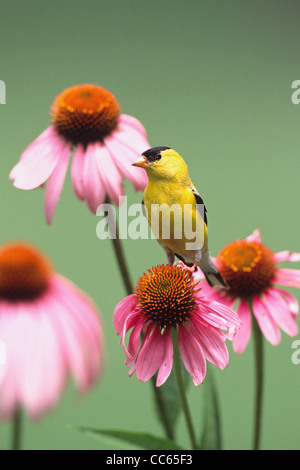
(141, 162)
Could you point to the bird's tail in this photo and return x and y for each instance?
(215, 279)
(211, 273)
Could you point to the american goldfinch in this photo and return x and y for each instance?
(176, 213)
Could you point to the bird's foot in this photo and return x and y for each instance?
(186, 268)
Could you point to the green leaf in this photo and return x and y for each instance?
(169, 398)
(134, 438)
(211, 438)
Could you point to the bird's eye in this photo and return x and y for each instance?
(154, 157)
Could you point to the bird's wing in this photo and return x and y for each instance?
(144, 209)
(199, 200)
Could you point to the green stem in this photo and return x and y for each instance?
(119, 252)
(16, 431)
(259, 370)
(118, 248)
(181, 390)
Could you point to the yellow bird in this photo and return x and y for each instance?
(176, 213)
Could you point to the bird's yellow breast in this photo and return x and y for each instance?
(174, 219)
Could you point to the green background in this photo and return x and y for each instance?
(211, 79)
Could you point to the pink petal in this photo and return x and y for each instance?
(39, 160)
(78, 321)
(288, 277)
(131, 139)
(123, 158)
(167, 361)
(77, 171)
(55, 186)
(124, 308)
(57, 334)
(131, 321)
(286, 256)
(242, 335)
(133, 123)
(9, 388)
(134, 341)
(219, 315)
(110, 174)
(93, 185)
(35, 371)
(44, 370)
(218, 295)
(151, 355)
(74, 350)
(290, 300)
(199, 276)
(192, 355)
(280, 312)
(212, 344)
(254, 237)
(265, 321)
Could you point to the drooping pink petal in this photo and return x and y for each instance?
(94, 188)
(132, 122)
(211, 342)
(83, 314)
(35, 372)
(124, 308)
(77, 167)
(218, 295)
(266, 323)
(123, 158)
(110, 174)
(167, 361)
(9, 392)
(134, 341)
(77, 351)
(279, 311)
(131, 139)
(290, 300)
(219, 315)
(192, 355)
(242, 335)
(287, 277)
(43, 373)
(150, 356)
(286, 256)
(54, 187)
(39, 161)
(131, 321)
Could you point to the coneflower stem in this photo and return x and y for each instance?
(16, 430)
(119, 252)
(259, 371)
(181, 390)
(118, 248)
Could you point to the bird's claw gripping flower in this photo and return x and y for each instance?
(50, 330)
(251, 271)
(167, 297)
(86, 118)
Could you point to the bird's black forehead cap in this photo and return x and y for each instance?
(150, 154)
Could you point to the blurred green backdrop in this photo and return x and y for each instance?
(210, 79)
